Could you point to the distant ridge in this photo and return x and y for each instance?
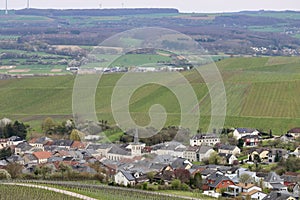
(95, 12)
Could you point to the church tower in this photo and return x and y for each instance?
(136, 146)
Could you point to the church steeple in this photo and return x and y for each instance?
(136, 137)
(136, 146)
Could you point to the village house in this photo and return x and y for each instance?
(294, 132)
(274, 182)
(39, 142)
(241, 132)
(229, 149)
(261, 152)
(124, 178)
(14, 141)
(102, 149)
(221, 182)
(250, 140)
(275, 155)
(198, 153)
(64, 144)
(280, 195)
(204, 139)
(230, 158)
(291, 179)
(23, 147)
(175, 149)
(42, 156)
(254, 194)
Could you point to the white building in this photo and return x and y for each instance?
(205, 139)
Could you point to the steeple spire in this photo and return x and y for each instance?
(136, 137)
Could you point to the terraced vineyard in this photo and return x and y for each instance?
(261, 92)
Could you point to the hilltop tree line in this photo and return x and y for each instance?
(166, 134)
(95, 12)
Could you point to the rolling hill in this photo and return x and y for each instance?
(262, 92)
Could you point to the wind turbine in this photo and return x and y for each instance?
(6, 9)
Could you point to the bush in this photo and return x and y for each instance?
(175, 184)
(145, 186)
(184, 187)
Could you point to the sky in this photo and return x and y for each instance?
(181, 5)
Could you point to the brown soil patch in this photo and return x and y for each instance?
(71, 47)
(19, 70)
(7, 67)
(56, 70)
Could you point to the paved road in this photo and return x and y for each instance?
(73, 194)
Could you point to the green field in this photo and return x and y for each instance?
(261, 93)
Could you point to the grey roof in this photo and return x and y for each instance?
(99, 146)
(30, 157)
(55, 159)
(218, 180)
(273, 178)
(24, 146)
(167, 159)
(289, 178)
(227, 156)
(277, 186)
(208, 172)
(173, 145)
(204, 136)
(65, 143)
(227, 147)
(15, 138)
(14, 158)
(42, 140)
(199, 149)
(245, 130)
(203, 149)
(127, 175)
(278, 195)
(119, 151)
(157, 166)
(179, 163)
(192, 148)
(250, 136)
(215, 175)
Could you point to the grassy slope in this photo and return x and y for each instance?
(261, 93)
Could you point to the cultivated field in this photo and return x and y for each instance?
(12, 192)
(261, 93)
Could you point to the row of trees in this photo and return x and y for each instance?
(50, 127)
(14, 129)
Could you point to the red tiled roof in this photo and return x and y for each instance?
(78, 144)
(42, 154)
